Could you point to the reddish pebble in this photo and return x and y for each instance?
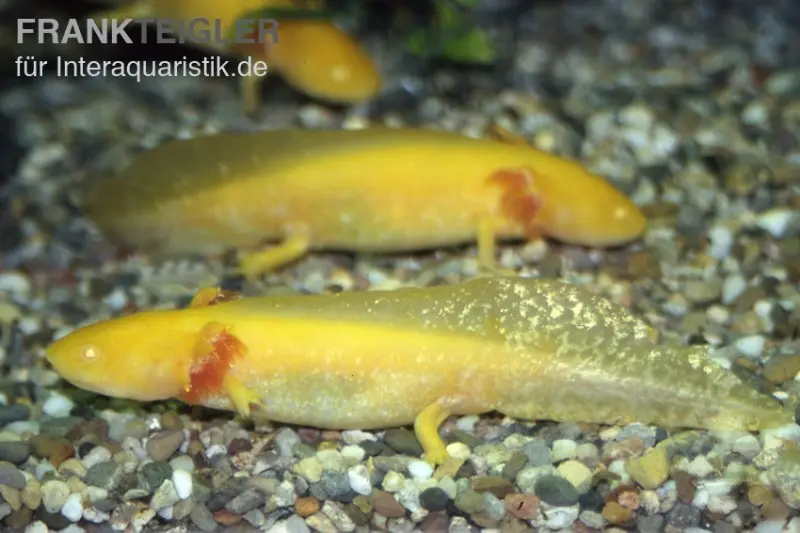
(306, 506)
(227, 518)
(522, 506)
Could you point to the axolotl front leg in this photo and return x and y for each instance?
(519, 203)
(214, 352)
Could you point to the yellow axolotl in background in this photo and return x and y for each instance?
(313, 56)
(373, 190)
(530, 349)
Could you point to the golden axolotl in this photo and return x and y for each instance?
(378, 190)
(527, 348)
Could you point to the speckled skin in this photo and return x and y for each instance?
(529, 349)
(376, 190)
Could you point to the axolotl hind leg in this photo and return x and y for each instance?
(254, 264)
(426, 427)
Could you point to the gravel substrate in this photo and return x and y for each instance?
(693, 108)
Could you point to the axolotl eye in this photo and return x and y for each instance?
(90, 353)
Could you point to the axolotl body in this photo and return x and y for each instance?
(372, 190)
(530, 349)
(314, 56)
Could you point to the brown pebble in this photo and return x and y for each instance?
(45, 446)
(495, 484)
(643, 265)
(617, 514)
(97, 427)
(484, 521)
(239, 445)
(162, 444)
(63, 452)
(685, 485)
(744, 362)
(227, 518)
(195, 447)
(385, 505)
(775, 509)
(171, 421)
(19, 518)
(780, 369)
(512, 524)
(357, 515)
(435, 523)
(523, 506)
(306, 506)
(331, 435)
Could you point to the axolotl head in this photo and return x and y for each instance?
(587, 210)
(136, 357)
(600, 216)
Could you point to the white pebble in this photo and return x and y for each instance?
(43, 468)
(393, 481)
(37, 527)
(557, 517)
(57, 405)
(787, 432)
(449, 486)
(420, 470)
(721, 242)
(747, 446)
(458, 450)
(54, 495)
(96, 493)
(733, 287)
(751, 346)
(700, 467)
(182, 480)
(776, 221)
(354, 436)
(467, 423)
(716, 487)
(73, 508)
(564, 449)
(215, 450)
(718, 314)
(116, 299)
(353, 453)
(182, 462)
(358, 476)
(721, 504)
(98, 454)
(23, 426)
(700, 499)
(15, 283)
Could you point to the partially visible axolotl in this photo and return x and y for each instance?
(527, 348)
(314, 56)
(371, 190)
